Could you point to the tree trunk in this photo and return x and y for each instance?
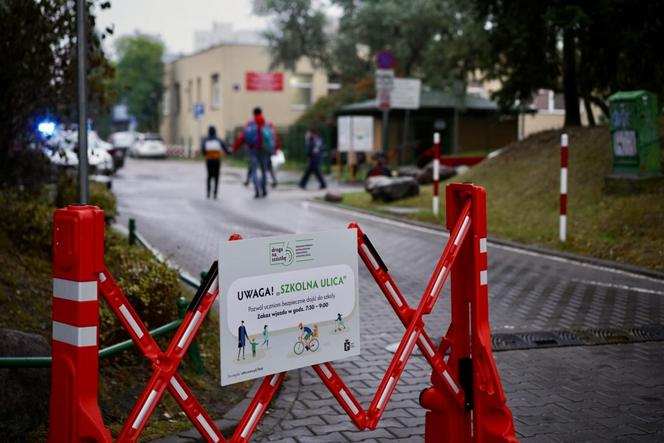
(589, 111)
(572, 114)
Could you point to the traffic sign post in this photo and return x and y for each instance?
(384, 86)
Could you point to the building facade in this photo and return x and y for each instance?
(221, 86)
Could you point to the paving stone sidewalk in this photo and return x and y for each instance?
(575, 394)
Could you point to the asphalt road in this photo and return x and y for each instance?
(598, 393)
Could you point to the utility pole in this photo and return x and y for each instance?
(82, 105)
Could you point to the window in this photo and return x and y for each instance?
(333, 85)
(176, 93)
(559, 102)
(215, 92)
(165, 103)
(301, 85)
(198, 90)
(190, 104)
(547, 100)
(541, 100)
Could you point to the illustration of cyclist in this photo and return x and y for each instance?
(306, 340)
(306, 335)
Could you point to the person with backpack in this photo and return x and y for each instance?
(213, 149)
(259, 137)
(270, 166)
(315, 148)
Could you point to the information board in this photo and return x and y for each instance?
(264, 81)
(355, 133)
(287, 302)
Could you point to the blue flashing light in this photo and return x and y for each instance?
(46, 128)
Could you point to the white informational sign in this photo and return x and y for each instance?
(344, 133)
(355, 133)
(405, 93)
(624, 143)
(384, 80)
(363, 133)
(287, 302)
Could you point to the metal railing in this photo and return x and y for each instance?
(193, 354)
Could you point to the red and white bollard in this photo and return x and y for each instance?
(563, 187)
(436, 173)
(78, 258)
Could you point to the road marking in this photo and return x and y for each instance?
(517, 250)
(618, 286)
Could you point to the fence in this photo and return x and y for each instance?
(464, 404)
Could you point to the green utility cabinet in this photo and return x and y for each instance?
(635, 133)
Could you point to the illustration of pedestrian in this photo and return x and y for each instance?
(242, 336)
(253, 347)
(339, 323)
(266, 337)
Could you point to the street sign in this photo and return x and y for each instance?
(264, 81)
(287, 302)
(384, 84)
(385, 59)
(199, 110)
(405, 93)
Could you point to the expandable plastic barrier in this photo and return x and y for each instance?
(465, 403)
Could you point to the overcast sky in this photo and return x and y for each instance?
(175, 20)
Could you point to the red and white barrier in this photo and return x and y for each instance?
(436, 173)
(563, 187)
(465, 403)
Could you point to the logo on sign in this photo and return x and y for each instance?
(347, 345)
(280, 254)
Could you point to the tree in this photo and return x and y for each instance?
(437, 40)
(37, 78)
(139, 77)
(587, 49)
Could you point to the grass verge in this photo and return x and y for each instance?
(522, 186)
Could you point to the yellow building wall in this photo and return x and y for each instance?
(230, 63)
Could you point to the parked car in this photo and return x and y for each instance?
(121, 142)
(148, 145)
(62, 151)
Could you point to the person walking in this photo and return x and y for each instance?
(270, 166)
(314, 147)
(259, 137)
(213, 149)
(266, 337)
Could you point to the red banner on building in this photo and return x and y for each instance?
(265, 81)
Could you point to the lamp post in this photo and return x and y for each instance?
(82, 104)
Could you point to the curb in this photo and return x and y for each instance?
(530, 248)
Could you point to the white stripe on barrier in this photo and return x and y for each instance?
(482, 245)
(273, 380)
(435, 205)
(189, 330)
(435, 288)
(178, 388)
(563, 180)
(564, 139)
(563, 227)
(213, 286)
(462, 231)
(74, 335)
(436, 169)
(483, 277)
(349, 402)
(426, 345)
(393, 293)
(374, 263)
(251, 421)
(132, 322)
(450, 381)
(207, 427)
(409, 345)
(383, 395)
(75, 290)
(326, 371)
(144, 409)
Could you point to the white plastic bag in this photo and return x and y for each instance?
(278, 159)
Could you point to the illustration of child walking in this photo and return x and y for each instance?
(266, 337)
(253, 347)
